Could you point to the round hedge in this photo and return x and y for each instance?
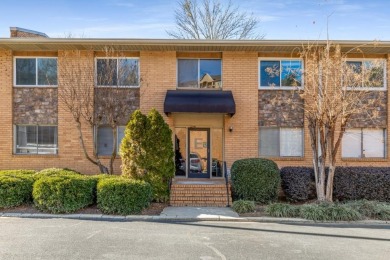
(55, 172)
(63, 194)
(123, 196)
(255, 179)
(15, 188)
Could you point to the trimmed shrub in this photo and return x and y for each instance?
(282, 210)
(123, 196)
(329, 212)
(63, 194)
(243, 206)
(298, 183)
(356, 183)
(255, 179)
(15, 187)
(58, 172)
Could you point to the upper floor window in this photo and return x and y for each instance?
(367, 74)
(199, 73)
(123, 72)
(280, 73)
(36, 139)
(35, 71)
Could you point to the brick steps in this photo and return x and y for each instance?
(199, 195)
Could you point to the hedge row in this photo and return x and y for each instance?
(350, 183)
(64, 191)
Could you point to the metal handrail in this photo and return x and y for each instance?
(227, 183)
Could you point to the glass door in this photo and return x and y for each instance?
(198, 163)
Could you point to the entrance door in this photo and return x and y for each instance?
(198, 163)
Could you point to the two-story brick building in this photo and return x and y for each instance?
(214, 94)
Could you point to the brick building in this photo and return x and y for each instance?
(214, 95)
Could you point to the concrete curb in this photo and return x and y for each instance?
(130, 218)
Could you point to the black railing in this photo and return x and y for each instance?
(225, 173)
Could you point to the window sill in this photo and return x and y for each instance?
(285, 158)
(364, 159)
(35, 155)
(35, 86)
(281, 88)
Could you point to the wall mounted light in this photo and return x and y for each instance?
(231, 129)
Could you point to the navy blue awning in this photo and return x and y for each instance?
(199, 101)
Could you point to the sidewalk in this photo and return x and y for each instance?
(189, 214)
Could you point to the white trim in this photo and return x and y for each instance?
(36, 72)
(384, 87)
(117, 64)
(280, 59)
(198, 59)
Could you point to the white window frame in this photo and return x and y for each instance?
(117, 69)
(198, 59)
(362, 141)
(281, 156)
(280, 61)
(96, 129)
(383, 88)
(39, 154)
(36, 71)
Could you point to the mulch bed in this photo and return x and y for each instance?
(153, 210)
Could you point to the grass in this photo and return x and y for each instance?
(348, 211)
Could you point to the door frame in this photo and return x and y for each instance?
(198, 175)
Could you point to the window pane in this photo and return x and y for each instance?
(47, 139)
(128, 72)
(121, 134)
(373, 143)
(210, 74)
(187, 73)
(106, 72)
(47, 71)
(269, 142)
(105, 141)
(291, 141)
(355, 65)
(374, 73)
(180, 151)
(216, 153)
(270, 73)
(25, 72)
(291, 73)
(351, 143)
(26, 139)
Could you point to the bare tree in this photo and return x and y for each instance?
(107, 103)
(211, 20)
(335, 92)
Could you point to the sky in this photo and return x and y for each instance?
(279, 19)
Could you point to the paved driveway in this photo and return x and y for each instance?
(22, 238)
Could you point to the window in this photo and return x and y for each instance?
(117, 72)
(370, 73)
(280, 73)
(36, 139)
(35, 72)
(363, 143)
(105, 139)
(281, 142)
(199, 73)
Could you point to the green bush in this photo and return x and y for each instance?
(15, 187)
(282, 210)
(123, 196)
(243, 206)
(255, 179)
(147, 152)
(58, 172)
(63, 194)
(329, 212)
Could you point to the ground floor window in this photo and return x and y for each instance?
(364, 143)
(36, 139)
(105, 139)
(280, 142)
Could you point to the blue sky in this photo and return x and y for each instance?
(279, 19)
